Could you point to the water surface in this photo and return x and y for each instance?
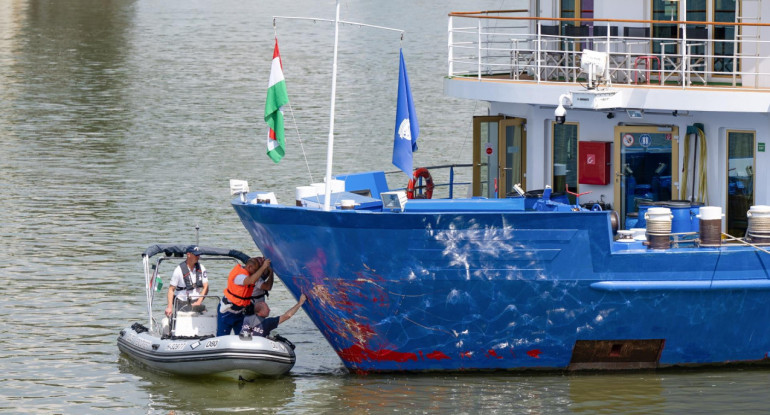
(121, 123)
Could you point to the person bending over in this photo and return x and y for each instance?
(259, 324)
(241, 285)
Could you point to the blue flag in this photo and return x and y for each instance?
(407, 127)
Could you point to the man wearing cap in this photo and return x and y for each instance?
(245, 284)
(189, 284)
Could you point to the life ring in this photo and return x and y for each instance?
(422, 172)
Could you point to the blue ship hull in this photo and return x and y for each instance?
(493, 288)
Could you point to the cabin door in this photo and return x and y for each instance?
(741, 165)
(646, 168)
(499, 155)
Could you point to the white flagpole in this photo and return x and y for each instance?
(330, 145)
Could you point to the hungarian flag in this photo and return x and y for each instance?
(277, 97)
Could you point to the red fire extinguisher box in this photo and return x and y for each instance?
(594, 162)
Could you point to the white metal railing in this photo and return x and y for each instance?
(510, 45)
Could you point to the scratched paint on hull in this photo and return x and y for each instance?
(502, 290)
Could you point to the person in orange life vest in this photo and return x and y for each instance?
(239, 294)
(263, 285)
(189, 284)
(259, 324)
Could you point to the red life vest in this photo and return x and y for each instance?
(239, 295)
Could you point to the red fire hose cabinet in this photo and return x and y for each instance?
(594, 159)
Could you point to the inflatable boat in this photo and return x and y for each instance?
(187, 343)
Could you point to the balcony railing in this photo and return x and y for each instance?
(508, 45)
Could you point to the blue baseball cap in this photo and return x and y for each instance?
(192, 249)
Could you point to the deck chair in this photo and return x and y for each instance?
(523, 57)
(636, 44)
(552, 56)
(575, 39)
(691, 51)
(696, 46)
(614, 47)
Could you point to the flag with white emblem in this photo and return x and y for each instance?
(407, 127)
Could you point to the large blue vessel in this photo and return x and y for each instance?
(511, 280)
(488, 285)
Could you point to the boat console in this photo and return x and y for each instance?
(194, 324)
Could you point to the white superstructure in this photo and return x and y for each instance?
(681, 90)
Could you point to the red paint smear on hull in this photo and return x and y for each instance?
(534, 353)
(437, 355)
(358, 354)
(492, 353)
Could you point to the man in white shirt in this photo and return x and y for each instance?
(189, 284)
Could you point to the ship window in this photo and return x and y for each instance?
(582, 9)
(696, 12)
(664, 12)
(740, 179)
(724, 37)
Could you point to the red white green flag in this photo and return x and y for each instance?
(277, 97)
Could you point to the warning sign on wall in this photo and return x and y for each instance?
(489, 149)
(628, 140)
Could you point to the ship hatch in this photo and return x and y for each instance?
(616, 354)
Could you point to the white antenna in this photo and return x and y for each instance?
(330, 143)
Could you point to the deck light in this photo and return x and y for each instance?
(239, 187)
(394, 201)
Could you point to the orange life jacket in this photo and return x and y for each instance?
(239, 295)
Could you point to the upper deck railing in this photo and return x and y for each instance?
(509, 45)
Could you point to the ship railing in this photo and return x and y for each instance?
(449, 180)
(507, 45)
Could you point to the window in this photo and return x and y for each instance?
(665, 11)
(724, 37)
